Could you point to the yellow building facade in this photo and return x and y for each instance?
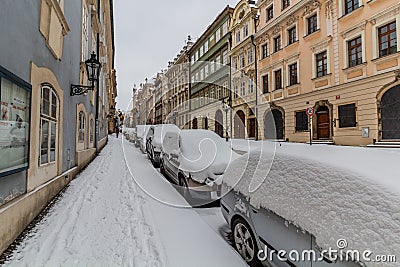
(340, 58)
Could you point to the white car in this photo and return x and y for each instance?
(196, 161)
(154, 139)
(141, 133)
(316, 206)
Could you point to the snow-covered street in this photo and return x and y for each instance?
(121, 212)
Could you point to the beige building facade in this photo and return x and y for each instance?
(243, 68)
(340, 58)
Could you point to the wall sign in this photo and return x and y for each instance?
(14, 123)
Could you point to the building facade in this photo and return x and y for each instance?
(243, 58)
(210, 76)
(339, 57)
(47, 135)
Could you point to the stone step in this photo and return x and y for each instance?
(386, 145)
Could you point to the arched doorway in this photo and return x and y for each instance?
(273, 125)
(194, 123)
(205, 124)
(323, 123)
(240, 119)
(390, 114)
(219, 118)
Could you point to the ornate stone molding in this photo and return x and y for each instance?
(291, 20)
(310, 7)
(263, 2)
(321, 45)
(276, 30)
(262, 39)
(329, 8)
(385, 14)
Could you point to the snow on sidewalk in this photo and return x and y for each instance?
(104, 219)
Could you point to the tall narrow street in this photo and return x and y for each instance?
(104, 218)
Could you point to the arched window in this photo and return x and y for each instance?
(91, 130)
(82, 127)
(48, 124)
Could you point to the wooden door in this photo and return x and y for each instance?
(323, 123)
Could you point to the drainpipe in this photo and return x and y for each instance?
(96, 136)
(230, 82)
(256, 20)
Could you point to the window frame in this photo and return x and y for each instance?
(315, 24)
(277, 45)
(269, 12)
(285, 4)
(50, 120)
(264, 51)
(325, 70)
(350, 51)
(292, 39)
(292, 82)
(388, 34)
(278, 86)
(265, 83)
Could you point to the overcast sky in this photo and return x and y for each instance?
(148, 34)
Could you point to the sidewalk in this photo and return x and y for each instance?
(105, 219)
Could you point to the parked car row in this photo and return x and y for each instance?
(293, 217)
(195, 160)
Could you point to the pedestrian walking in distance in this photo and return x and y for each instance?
(116, 125)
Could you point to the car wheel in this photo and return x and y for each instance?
(245, 242)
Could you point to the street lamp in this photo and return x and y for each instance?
(93, 67)
(226, 107)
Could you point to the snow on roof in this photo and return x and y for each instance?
(160, 132)
(331, 192)
(141, 130)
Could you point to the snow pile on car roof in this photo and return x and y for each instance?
(331, 192)
(204, 154)
(160, 131)
(141, 130)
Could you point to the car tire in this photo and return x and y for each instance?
(244, 242)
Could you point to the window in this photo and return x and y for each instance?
(387, 38)
(225, 57)
(218, 61)
(206, 71)
(192, 59)
(301, 121)
(201, 51)
(250, 55)
(217, 35)
(48, 125)
(354, 50)
(293, 74)
(270, 12)
(91, 130)
(350, 5)
(285, 4)
(264, 51)
(82, 127)
(218, 92)
(312, 25)
(212, 67)
(242, 61)
(245, 30)
(85, 33)
(15, 95)
(265, 84)
(277, 43)
(278, 79)
(205, 46)
(238, 37)
(243, 88)
(212, 40)
(235, 63)
(251, 86)
(225, 29)
(321, 62)
(347, 116)
(292, 38)
(201, 74)
(236, 88)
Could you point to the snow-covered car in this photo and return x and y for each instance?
(154, 139)
(313, 206)
(141, 133)
(196, 160)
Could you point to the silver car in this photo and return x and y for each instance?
(154, 140)
(196, 161)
